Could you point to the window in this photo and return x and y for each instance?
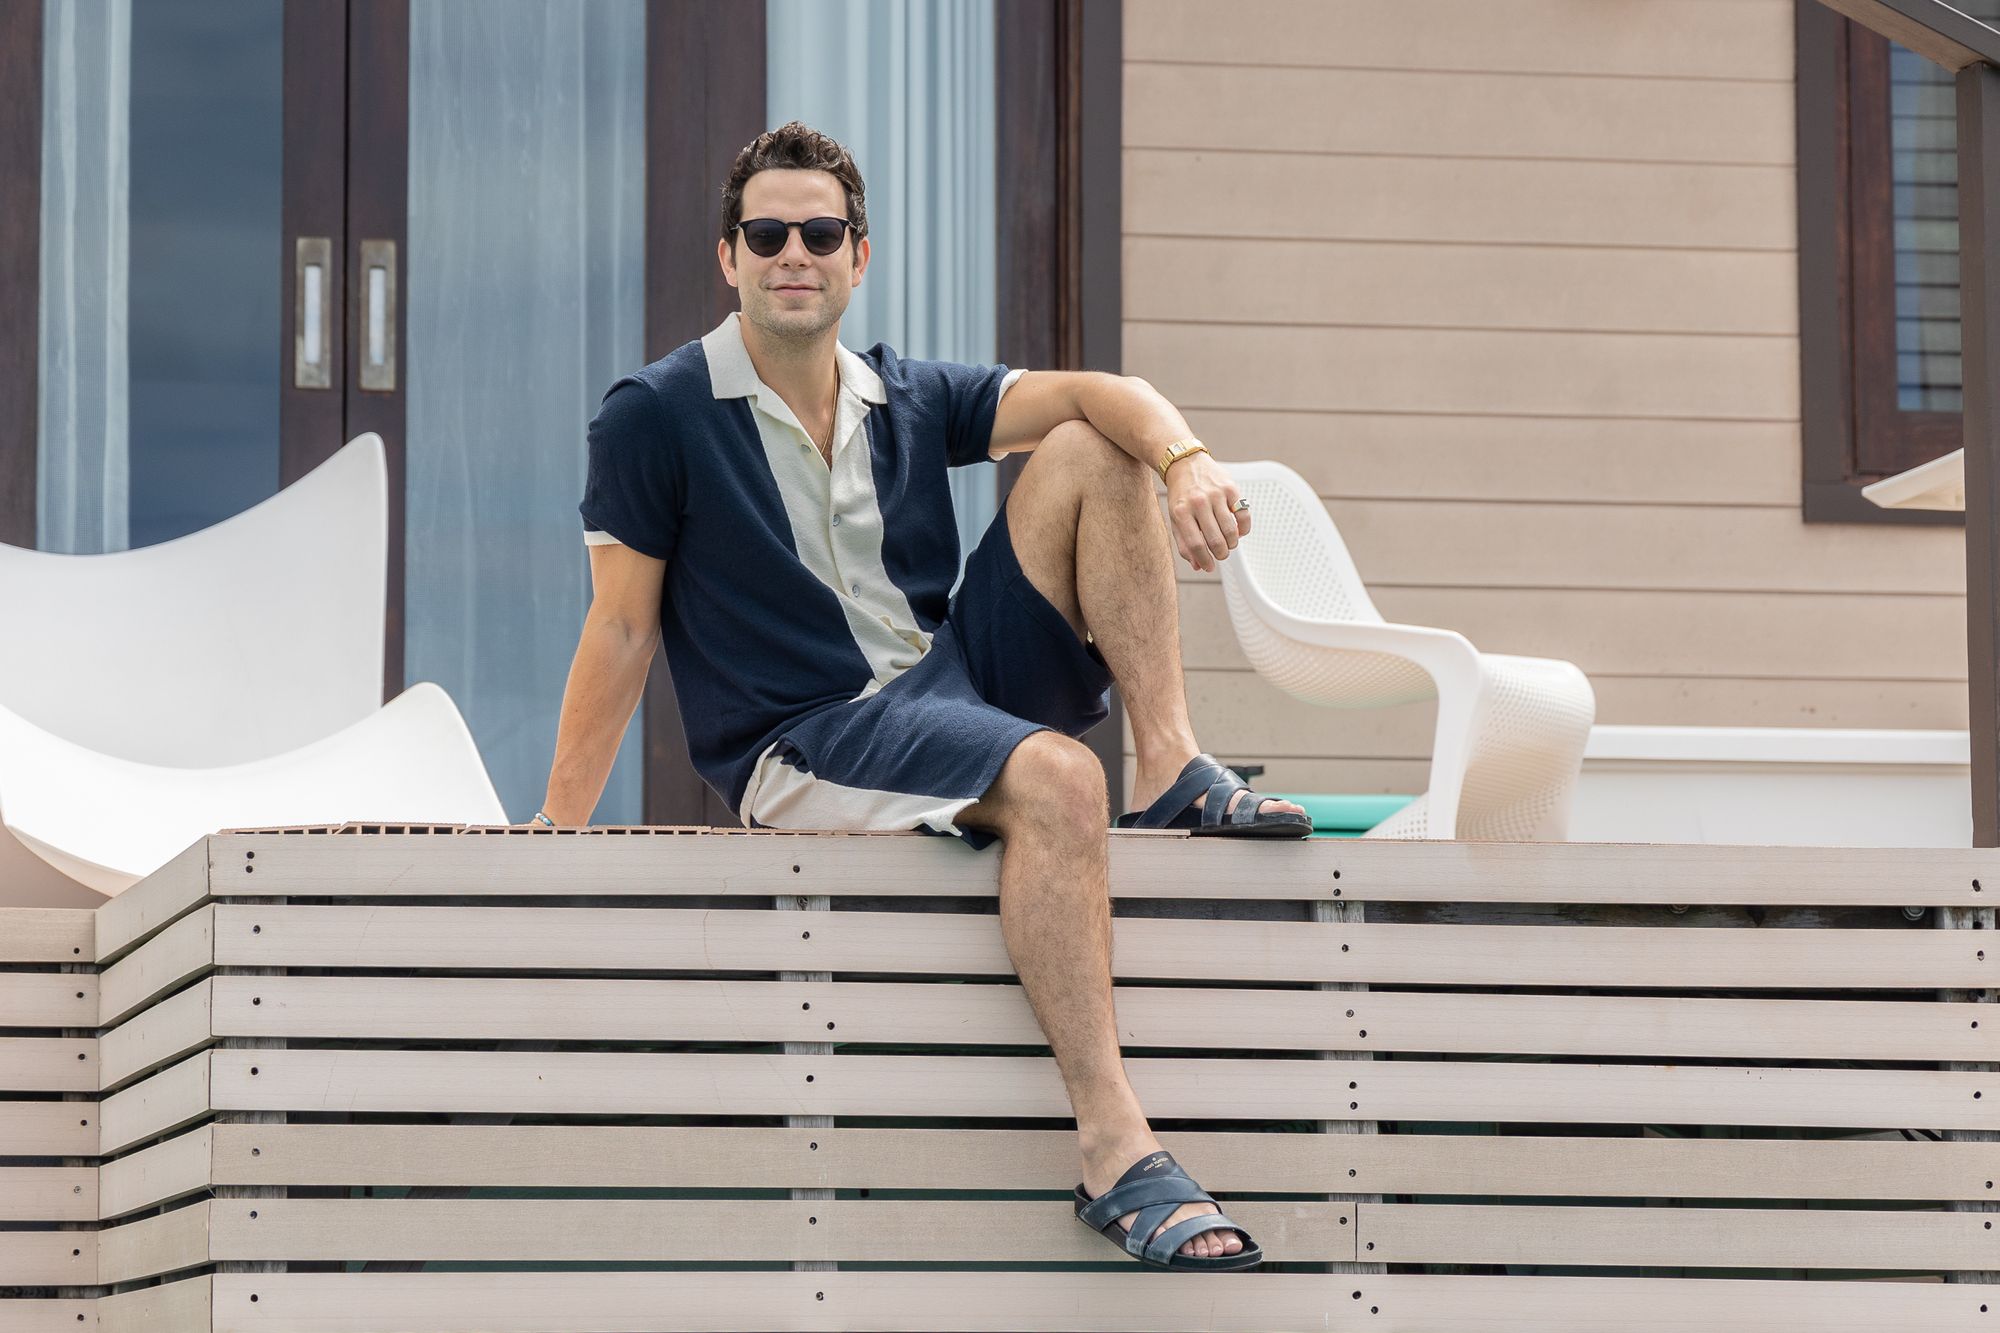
(1878, 262)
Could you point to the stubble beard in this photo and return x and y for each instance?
(797, 327)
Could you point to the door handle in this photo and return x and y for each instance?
(378, 315)
(312, 314)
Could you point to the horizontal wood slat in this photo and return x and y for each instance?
(1383, 284)
(591, 1009)
(951, 1302)
(1433, 113)
(47, 935)
(1709, 39)
(48, 1064)
(659, 1230)
(1181, 192)
(1639, 632)
(1538, 373)
(165, 962)
(656, 939)
(48, 1128)
(176, 888)
(650, 1156)
(169, 1170)
(50, 1259)
(1849, 1238)
(574, 1082)
(48, 1000)
(1143, 865)
(48, 1194)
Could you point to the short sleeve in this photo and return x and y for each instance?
(960, 398)
(632, 490)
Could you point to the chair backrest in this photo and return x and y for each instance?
(244, 640)
(1294, 555)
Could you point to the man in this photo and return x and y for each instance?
(776, 507)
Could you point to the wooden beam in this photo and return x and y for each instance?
(1931, 28)
(20, 265)
(1979, 296)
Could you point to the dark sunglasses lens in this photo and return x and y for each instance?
(765, 237)
(823, 235)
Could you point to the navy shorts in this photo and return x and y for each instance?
(913, 754)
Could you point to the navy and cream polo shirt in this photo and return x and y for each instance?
(791, 586)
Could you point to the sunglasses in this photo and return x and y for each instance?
(767, 236)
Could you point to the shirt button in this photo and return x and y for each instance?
(856, 590)
(836, 520)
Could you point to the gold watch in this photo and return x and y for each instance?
(1178, 450)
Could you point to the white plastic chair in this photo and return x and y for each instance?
(108, 822)
(242, 641)
(1510, 730)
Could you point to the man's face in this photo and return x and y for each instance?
(795, 294)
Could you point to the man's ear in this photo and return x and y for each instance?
(861, 253)
(725, 255)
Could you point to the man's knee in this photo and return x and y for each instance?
(1082, 447)
(1049, 781)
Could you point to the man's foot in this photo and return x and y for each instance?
(1102, 1170)
(1152, 780)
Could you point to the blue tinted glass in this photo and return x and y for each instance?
(207, 128)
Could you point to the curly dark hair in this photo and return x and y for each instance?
(799, 147)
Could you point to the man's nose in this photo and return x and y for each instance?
(795, 254)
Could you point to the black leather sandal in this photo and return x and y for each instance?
(1154, 1188)
(1176, 809)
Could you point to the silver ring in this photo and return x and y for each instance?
(1240, 505)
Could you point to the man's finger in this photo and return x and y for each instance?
(1211, 532)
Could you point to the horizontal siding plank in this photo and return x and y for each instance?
(578, 1009)
(1186, 192)
(1718, 39)
(48, 1128)
(599, 1083)
(47, 935)
(719, 1230)
(164, 963)
(48, 1064)
(58, 1259)
(158, 1104)
(1426, 113)
(1835, 636)
(156, 1035)
(178, 1239)
(48, 999)
(666, 939)
(672, 1157)
(48, 1194)
(1475, 545)
(1461, 286)
(1450, 370)
(1501, 458)
(169, 1170)
(1849, 1238)
(1143, 865)
(964, 1302)
(1257, 721)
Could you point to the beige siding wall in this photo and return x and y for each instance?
(1513, 283)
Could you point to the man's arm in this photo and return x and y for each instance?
(1133, 415)
(606, 678)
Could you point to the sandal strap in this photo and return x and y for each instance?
(1161, 1248)
(1160, 1190)
(1195, 778)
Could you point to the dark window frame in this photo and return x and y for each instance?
(1853, 432)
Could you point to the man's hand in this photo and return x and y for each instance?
(1201, 510)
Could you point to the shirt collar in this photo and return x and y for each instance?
(731, 374)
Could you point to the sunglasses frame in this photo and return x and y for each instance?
(846, 226)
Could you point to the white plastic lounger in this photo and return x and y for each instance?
(1510, 730)
(238, 642)
(108, 822)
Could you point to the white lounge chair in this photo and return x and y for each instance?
(1510, 730)
(108, 822)
(242, 641)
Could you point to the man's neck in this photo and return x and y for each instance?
(804, 373)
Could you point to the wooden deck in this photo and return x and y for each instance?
(694, 1080)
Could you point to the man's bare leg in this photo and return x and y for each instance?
(1087, 530)
(1055, 913)
(1086, 527)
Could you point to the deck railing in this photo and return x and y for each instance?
(426, 1081)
